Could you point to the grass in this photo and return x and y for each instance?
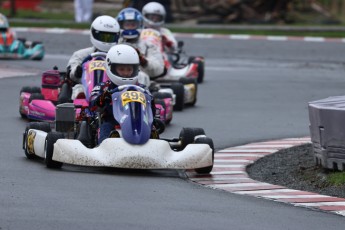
(58, 19)
(337, 178)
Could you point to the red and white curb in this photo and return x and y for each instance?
(195, 35)
(229, 174)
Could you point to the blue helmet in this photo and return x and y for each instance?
(131, 23)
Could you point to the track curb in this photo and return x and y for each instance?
(229, 174)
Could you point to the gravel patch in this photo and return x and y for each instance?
(294, 168)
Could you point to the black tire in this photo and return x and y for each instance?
(209, 141)
(201, 68)
(161, 95)
(186, 81)
(29, 89)
(51, 138)
(43, 126)
(35, 96)
(178, 89)
(65, 94)
(201, 71)
(186, 137)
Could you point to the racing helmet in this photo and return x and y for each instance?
(122, 56)
(105, 31)
(153, 14)
(131, 23)
(3, 22)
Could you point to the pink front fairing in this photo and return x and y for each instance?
(42, 110)
(24, 103)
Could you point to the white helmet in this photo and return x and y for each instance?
(153, 14)
(105, 32)
(3, 22)
(119, 56)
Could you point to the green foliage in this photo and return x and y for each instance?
(337, 178)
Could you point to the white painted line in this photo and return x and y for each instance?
(294, 196)
(314, 39)
(228, 172)
(248, 151)
(284, 190)
(317, 204)
(233, 161)
(239, 185)
(229, 166)
(264, 146)
(238, 155)
(222, 179)
(240, 36)
(277, 38)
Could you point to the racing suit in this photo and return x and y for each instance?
(154, 65)
(169, 41)
(74, 63)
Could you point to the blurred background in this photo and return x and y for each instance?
(280, 12)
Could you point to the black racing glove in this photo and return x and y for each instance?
(103, 99)
(78, 71)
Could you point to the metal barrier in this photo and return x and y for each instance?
(327, 131)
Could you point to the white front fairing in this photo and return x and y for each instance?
(115, 152)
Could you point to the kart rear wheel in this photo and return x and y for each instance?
(43, 126)
(35, 96)
(209, 141)
(186, 81)
(178, 89)
(29, 89)
(201, 66)
(51, 138)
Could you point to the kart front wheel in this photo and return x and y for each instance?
(209, 141)
(27, 142)
(51, 138)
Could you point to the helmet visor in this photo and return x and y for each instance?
(130, 25)
(124, 70)
(107, 37)
(154, 17)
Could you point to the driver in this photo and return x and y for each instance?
(154, 17)
(7, 35)
(104, 33)
(122, 67)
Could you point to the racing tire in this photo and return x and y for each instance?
(200, 68)
(186, 81)
(178, 89)
(161, 95)
(43, 126)
(35, 96)
(51, 138)
(65, 94)
(187, 135)
(201, 71)
(29, 89)
(209, 141)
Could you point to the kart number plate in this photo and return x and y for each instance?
(97, 65)
(133, 96)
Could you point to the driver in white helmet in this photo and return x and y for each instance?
(104, 33)
(154, 17)
(122, 67)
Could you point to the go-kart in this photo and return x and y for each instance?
(11, 48)
(134, 143)
(182, 79)
(39, 103)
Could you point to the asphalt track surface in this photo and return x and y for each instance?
(254, 90)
